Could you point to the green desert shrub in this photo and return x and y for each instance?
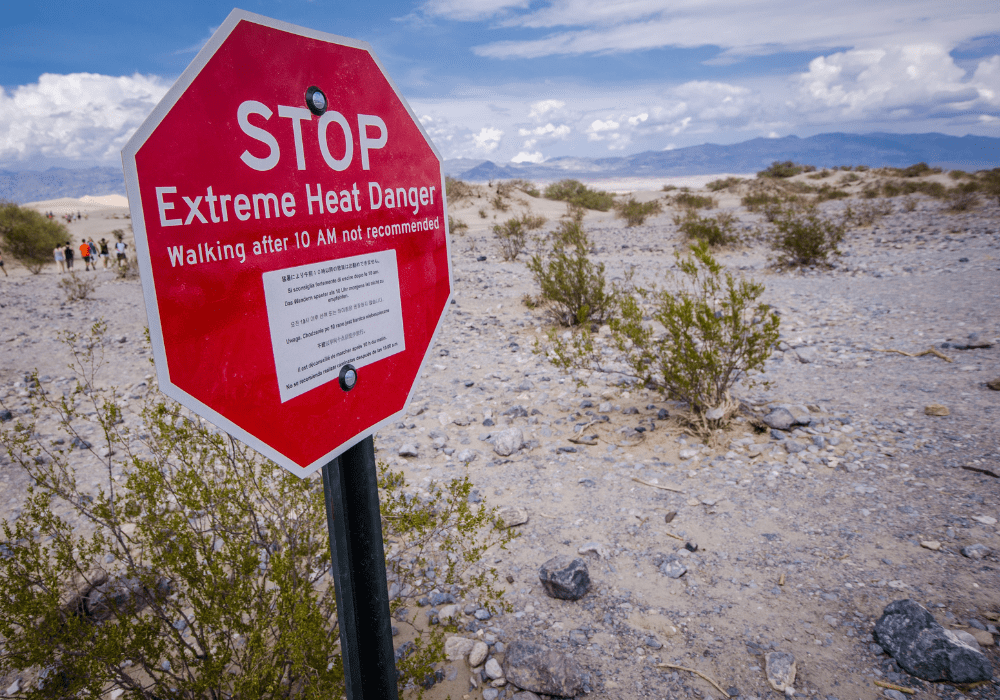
(457, 190)
(865, 213)
(29, 237)
(689, 200)
(77, 287)
(715, 231)
(512, 236)
(575, 192)
(782, 170)
(692, 342)
(756, 200)
(723, 184)
(457, 225)
(803, 236)
(959, 201)
(526, 186)
(572, 286)
(635, 212)
(917, 170)
(193, 567)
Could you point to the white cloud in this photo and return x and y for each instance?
(740, 29)
(542, 107)
(525, 157)
(488, 139)
(905, 81)
(561, 131)
(638, 119)
(80, 117)
(470, 9)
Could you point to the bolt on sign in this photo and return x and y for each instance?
(290, 220)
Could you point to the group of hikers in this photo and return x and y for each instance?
(89, 253)
(67, 217)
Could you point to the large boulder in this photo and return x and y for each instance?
(925, 649)
(541, 670)
(565, 578)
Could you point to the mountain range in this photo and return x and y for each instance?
(823, 150)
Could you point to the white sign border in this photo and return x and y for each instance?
(146, 270)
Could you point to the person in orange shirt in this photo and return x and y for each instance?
(85, 253)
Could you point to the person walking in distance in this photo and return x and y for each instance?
(85, 254)
(2, 265)
(104, 252)
(68, 251)
(120, 247)
(94, 250)
(60, 256)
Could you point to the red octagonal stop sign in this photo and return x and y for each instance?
(290, 219)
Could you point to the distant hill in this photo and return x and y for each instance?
(823, 150)
(36, 185)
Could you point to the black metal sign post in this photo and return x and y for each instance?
(350, 484)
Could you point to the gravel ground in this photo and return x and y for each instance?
(801, 538)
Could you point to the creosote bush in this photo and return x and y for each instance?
(803, 236)
(715, 231)
(575, 192)
(457, 226)
(635, 212)
(689, 200)
(29, 237)
(78, 287)
(785, 169)
(457, 190)
(723, 184)
(692, 343)
(572, 286)
(196, 568)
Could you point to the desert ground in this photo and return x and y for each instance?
(800, 537)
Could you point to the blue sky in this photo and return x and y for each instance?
(529, 80)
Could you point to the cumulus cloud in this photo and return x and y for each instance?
(542, 107)
(904, 81)
(487, 139)
(525, 157)
(80, 117)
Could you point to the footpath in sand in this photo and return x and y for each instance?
(802, 536)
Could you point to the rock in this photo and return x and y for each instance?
(936, 409)
(507, 442)
(779, 419)
(478, 654)
(984, 638)
(794, 446)
(14, 687)
(967, 638)
(932, 545)
(780, 669)
(807, 354)
(977, 341)
(482, 614)
(715, 414)
(466, 456)
(673, 569)
(894, 694)
(593, 548)
(975, 551)
(457, 648)
(526, 695)
(448, 612)
(541, 670)
(493, 669)
(993, 384)
(512, 516)
(408, 450)
(565, 578)
(578, 637)
(985, 519)
(5, 416)
(491, 694)
(925, 649)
